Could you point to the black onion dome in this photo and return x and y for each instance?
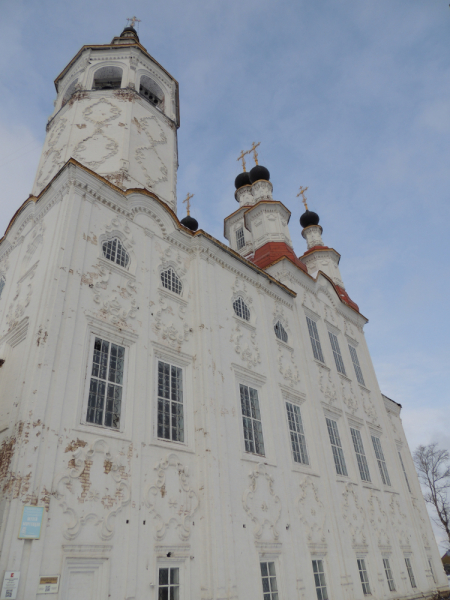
(259, 172)
(242, 179)
(128, 30)
(190, 223)
(309, 218)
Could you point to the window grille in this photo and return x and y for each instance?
(412, 579)
(114, 251)
(431, 569)
(269, 581)
(389, 577)
(404, 472)
(251, 417)
(169, 583)
(298, 441)
(360, 454)
(280, 332)
(171, 281)
(240, 240)
(151, 91)
(363, 576)
(2, 285)
(170, 402)
(355, 361)
(381, 462)
(106, 385)
(319, 580)
(314, 337)
(338, 454)
(337, 353)
(241, 309)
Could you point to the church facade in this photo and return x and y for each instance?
(195, 421)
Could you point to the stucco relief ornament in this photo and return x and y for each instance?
(22, 297)
(378, 519)
(349, 329)
(287, 366)
(247, 348)
(369, 407)
(171, 499)
(52, 157)
(326, 384)
(146, 154)
(311, 512)
(398, 520)
(348, 396)
(171, 334)
(353, 515)
(121, 226)
(262, 505)
(81, 502)
(309, 301)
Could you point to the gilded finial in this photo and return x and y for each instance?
(253, 149)
(188, 204)
(132, 21)
(302, 194)
(242, 157)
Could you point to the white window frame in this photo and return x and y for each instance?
(279, 327)
(174, 271)
(178, 562)
(236, 300)
(410, 571)
(356, 364)
(336, 454)
(296, 434)
(252, 419)
(363, 575)
(320, 595)
(430, 563)
(171, 401)
(269, 595)
(361, 457)
(388, 571)
(337, 354)
(381, 461)
(240, 238)
(123, 249)
(2, 284)
(316, 346)
(404, 470)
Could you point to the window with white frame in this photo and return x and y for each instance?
(114, 251)
(355, 361)
(363, 576)
(319, 580)
(297, 434)
(380, 460)
(2, 285)
(431, 569)
(360, 454)
(171, 281)
(251, 417)
(315, 341)
(412, 579)
(106, 384)
(269, 581)
(389, 576)
(169, 583)
(280, 332)
(240, 240)
(336, 446)
(337, 353)
(170, 402)
(241, 309)
(404, 471)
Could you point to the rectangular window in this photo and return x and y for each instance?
(431, 569)
(360, 454)
(355, 361)
(106, 384)
(337, 353)
(410, 572)
(169, 583)
(336, 446)
(170, 402)
(314, 337)
(404, 472)
(387, 570)
(251, 417)
(319, 580)
(364, 577)
(298, 441)
(240, 240)
(380, 459)
(269, 581)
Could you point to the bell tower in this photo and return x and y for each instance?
(117, 113)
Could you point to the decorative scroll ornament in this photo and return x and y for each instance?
(245, 345)
(348, 396)
(353, 515)
(151, 136)
(378, 519)
(22, 297)
(262, 505)
(326, 384)
(311, 512)
(369, 407)
(399, 522)
(170, 333)
(287, 366)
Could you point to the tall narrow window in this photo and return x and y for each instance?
(314, 337)
(337, 353)
(431, 569)
(355, 361)
(269, 581)
(171, 281)
(389, 577)
(338, 454)
(240, 240)
(298, 441)
(106, 385)
(412, 579)
(380, 460)
(169, 583)
(2, 285)
(364, 577)
(114, 251)
(360, 454)
(319, 580)
(170, 402)
(251, 417)
(404, 471)
(241, 309)
(280, 332)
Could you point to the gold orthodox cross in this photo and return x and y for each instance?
(132, 21)
(188, 204)
(242, 157)
(302, 194)
(255, 154)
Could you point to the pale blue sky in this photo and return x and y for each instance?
(348, 97)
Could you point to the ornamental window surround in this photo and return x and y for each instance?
(319, 580)
(389, 576)
(356, 365)
(337, 353)
(336, 446)
(171, 281)
(381, 460)
(269, 581)
(114, 251)
(170, 421)
(280, 332)
(297, 434)
(315, 341)
(412, 579)
(360, 454)
(251, 420)
(241, 309)
(363, 576)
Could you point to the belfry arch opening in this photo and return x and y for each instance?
(107, 78)
(151, 91)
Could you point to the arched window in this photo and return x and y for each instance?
(171, 281)
(280, 332)
(70, 90)
(107, 78)
(114, 251)
(241, 309)
(2, 285)
(151, 91)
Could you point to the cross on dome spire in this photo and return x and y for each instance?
(302, 194)
(132, 21)
(253, 149)
(188, 204)
(242, 157)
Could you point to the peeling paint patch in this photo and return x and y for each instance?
(73, 445)
(41, 336)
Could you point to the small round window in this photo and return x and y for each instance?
(241, 309)
(171, 281)
(114, 251)
(280, 332)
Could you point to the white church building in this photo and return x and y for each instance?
(182, 419)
